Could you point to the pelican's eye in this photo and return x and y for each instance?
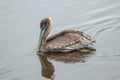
(45, 23)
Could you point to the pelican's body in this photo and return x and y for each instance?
(65, 41)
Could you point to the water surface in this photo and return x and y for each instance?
(19, 33)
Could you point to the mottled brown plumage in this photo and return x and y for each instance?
(65, 41)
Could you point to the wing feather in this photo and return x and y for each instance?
(65, 39)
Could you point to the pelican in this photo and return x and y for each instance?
(64, 41)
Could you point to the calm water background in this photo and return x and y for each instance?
(19, 33)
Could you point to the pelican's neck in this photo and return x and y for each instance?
(42, 38)
(45, 27)
(40, 44)
(42, 41)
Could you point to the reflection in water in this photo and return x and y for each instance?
(47, 67)
(71, 57)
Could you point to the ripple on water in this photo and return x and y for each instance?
(5, 73)
(8, 73)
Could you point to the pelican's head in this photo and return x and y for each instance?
(45, 27)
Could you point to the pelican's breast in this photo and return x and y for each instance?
(67, 40)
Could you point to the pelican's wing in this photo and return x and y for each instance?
(66, 38)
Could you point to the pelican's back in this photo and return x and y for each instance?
(67, 40)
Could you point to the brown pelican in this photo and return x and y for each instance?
(65, 41)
